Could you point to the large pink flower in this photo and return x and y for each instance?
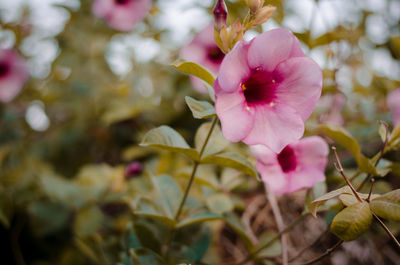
(299, 165)
(393, 101)
(203, 50)
(121, 15)
(13, 75)
(266, 89)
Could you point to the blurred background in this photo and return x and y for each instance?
(93, 92)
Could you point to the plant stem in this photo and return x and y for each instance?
(279, 222)
(386, 229)
(327, 253)
(339, 168)
(272, 240)
(196, 165)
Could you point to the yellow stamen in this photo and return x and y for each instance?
(243, 87)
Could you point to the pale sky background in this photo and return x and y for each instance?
(181, 18)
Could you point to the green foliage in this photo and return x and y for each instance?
(313, 206)
(200, 109)
(352, 222)
(344, 138)
(232, 160)
(194, 69)
(88, 221)
(165, 137)
(387, 206)
(6, 207)
(216, 143)
(170, 194)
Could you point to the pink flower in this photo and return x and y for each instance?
(393, 101)
(13, 75)
(121, 15)
(134, 169)
(266, 89)
(299, 165)
(203, 50)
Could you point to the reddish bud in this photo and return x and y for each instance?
(220, 14)
(133, 170)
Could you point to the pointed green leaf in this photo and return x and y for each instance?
(330, 195)
(88, 221)
(165, 137)
(272, 250)
(344, 138)
(387, 206)
(200, 109)
(395, 137)
(194, 69)
(349, 199)
(232, 160)
(199, 218)
(170, 193)
(146, 207)
(216, 143)
(352, 222)
(145, 256)
(219, 203)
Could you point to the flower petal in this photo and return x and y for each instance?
(311, 151)
(272, 47)
(236, 120)
(275, 127)
(299, 84)
(235, 68)
(264, 154)
(305, 178)
(274, 177)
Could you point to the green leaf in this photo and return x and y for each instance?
(194, 69)
(200, 109)
(232, 160)
(216, 143)
(387, 206)
(344, 138)
(170, 193)
(48, 217)
(395, 137)
(219, 203)
(272, 250)
(165, 137)
(88, 221)
(60, 189)
(350, 199)
(199, 218)
(352, 222)
(145, 256)
(321, 200)
(146, 207)
(6, 207)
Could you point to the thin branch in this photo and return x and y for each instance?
(370, 190)
(279, 222)
(339, 168)
(300, 253)
(325, 254)
(386, 229)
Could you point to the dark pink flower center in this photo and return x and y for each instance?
(121, 2)
(259, 88)
(4, 69)
(215, 54)
(287, 159)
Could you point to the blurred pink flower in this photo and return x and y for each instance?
(13, 74)
(334, 104)
(393, 101)
(266, 89)
(121, 15)
(203, 50)
(299, 165)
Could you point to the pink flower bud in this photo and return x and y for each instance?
(134, 169)
(220, 13)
